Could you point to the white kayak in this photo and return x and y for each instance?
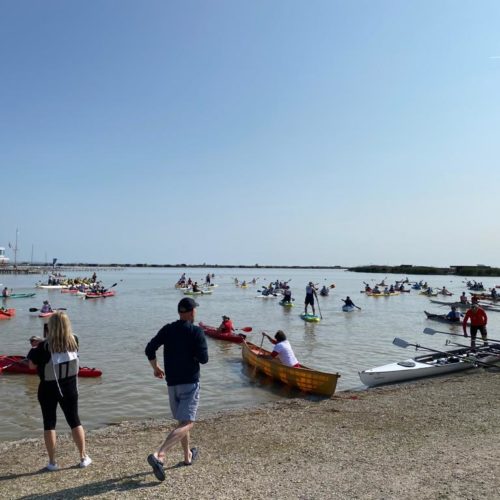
(270, 296)
(429, 365)
(348, 308)
(51, 287)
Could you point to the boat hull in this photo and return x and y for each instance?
(305, 379)
(213, 333)
(15, 365)
(429, 365)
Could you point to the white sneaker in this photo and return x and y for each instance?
(85, 461)
(52, 467)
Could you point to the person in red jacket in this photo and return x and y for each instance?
(478, 320)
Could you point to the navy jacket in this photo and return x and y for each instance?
(184, 348)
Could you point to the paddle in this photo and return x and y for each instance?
(246, 329)
(317, 302)
(431, 331)
(35, 309)
(402, 343)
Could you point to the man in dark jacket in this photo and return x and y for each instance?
(184, 348)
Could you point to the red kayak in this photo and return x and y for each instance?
(215, 334)
(19, 364)
(7, 313)
(99, 295)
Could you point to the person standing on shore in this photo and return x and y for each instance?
(478, 321)
(184, 348)
(309, 300)
(56, 360)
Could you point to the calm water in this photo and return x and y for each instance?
(113, 333)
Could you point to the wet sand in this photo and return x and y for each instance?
(436, 438)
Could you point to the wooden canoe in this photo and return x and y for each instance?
(305, 379)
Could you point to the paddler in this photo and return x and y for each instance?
(196, 288)
(282, 349)
(453, 315)
(226, 326)
(46, 307)
(348, 302)
(309, 300)
(478, 321)
(463, 299)
(5, 292)
(287, 295)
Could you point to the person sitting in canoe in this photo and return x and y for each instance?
(474, 299)
(493, 293)
(444, 291)
(348, 302)
(368, 288)
(243, 284)
(46, 308)
(376, 289)
(282, 349)
(196, 288)
(463, 299)
(287, 295)
(391, 289)
(226, 326)
(5, 292)
(453, 315)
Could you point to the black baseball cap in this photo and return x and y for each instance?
(186, 304)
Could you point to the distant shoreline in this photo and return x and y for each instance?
(404, 269)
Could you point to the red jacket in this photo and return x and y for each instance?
(477, 318)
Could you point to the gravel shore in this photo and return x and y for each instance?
(436, 438)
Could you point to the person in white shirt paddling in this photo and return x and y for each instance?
(282, 349)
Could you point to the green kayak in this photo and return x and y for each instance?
(312, 318)
(286, 304)
(20, 295)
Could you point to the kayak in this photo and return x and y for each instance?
(286, 304)
(464, 307)
(432, 294)
(91, 295)
(429, 365)
(311, 318)
(381, 294)
(7, 313)
(19, 295)
(46, 315)
(201, 292)
(15, 364)
(270, 296)
(212, 332)
(348, 308)
(303, 378)
(442, 318)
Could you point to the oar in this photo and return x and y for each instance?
(431, 331)
(317, 302)
(402, 343)
(35, 309)
(450, 342)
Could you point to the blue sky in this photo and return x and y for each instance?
(270, 132)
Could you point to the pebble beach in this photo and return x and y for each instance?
(434, 438)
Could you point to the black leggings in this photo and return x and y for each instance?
(49, 396)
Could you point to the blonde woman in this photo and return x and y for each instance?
(56, 361)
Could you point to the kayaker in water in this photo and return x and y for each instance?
(348, 302)
(287, 295)
(226, 326)
(309, 300)
(474, 299)
(5, 292)
(196, 288)
(46, 307)
(376, 289)
(324, 291)
(282, 349)
(463, 299)
(478, 321)
(56, 360)
(185, 347)
(453, 315)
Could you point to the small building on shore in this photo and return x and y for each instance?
(3, 258)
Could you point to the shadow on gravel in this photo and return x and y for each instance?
(126, 483)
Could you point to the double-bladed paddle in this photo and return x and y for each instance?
(431, 331)
(402, 343)
(35, 309)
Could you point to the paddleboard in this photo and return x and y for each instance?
(311, 318)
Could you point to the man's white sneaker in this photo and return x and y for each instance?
(85, 461)
(52, 467)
